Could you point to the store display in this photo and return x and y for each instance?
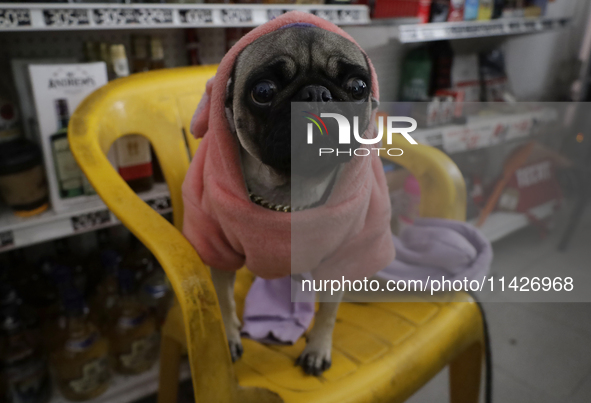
(193, 47)
(132, 152)
(439, 10)
(106, 295)
(24, 376)
(81, 363)
(156, 54)
(132, 331)
(57, 91)
(485, 10)
(139, 58)
(495, 84)
(23, 185)
(68, 173)
(416, 75)
(456, 11)
(471, 8)
(9, 118)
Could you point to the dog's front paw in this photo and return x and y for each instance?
(315, 359)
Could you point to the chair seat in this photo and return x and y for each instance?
(382, 352)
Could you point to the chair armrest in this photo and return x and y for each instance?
(443, 191)
(212, 370)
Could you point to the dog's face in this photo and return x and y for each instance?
(294, 64)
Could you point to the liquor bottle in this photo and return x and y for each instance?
(140, 61)
(81, 364)
(23, 371)
(156, 293)
(91, 52)
(193, 47)
(104, 301)
(133, 155)
(105, 56)
(68, 173)
(132, 332)
(156, 54)
(73, 262)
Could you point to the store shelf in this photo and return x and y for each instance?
(89, 16)
(486, 131)
(500, 223)
(477, 29)
(16, 232)
(126, 389)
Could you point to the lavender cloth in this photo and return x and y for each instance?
(431, 247)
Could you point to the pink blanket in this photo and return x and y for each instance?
(347, 236)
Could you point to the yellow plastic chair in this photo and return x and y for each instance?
(382, 352)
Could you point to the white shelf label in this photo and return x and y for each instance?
(196, 16)
(10, 18)
(236, 16)
(125, 16)
(6, 239)
(160, 204)
(65, 17)
(89, 221)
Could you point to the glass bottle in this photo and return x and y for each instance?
(23, 371)
(81, 364)
(140, 61)
(68, 173)
(156, 293)
(134, 158)
(104, 302)
(156, 54)
(132, 332)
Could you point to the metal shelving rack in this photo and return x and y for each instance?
(413, 33)
(89, 16)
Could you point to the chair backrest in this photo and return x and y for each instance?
(157, 105)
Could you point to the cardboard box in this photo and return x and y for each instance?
(70, 84)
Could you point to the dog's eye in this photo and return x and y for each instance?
(357, 88)
(263, 92)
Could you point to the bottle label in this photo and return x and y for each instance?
(143, 352)
(68, 172)
(121, 67)
(95, 374)
(27, 383)
(134, 158)
(81, 344)
(129, 323)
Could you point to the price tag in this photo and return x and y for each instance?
(65, 17)
(197, 17)
(160, 204)
(89, 221)
(6, 239)
(329, 15)
(10, 18)
(236, 16)
(121, 16)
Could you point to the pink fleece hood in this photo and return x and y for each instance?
(347, 236)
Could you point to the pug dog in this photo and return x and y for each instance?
(293, 64)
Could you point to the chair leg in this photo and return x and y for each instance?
(170, 361)
(465, 374)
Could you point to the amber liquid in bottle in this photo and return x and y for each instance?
(81, 365)
(103, 304)
(132, 331)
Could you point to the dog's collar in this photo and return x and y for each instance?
(272, 206)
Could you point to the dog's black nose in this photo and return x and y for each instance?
(313, 93)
